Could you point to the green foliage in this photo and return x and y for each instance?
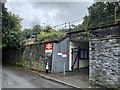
(26, 33)
(85, 24)
(49, 36)
(47, 28)
(102, 13)
(11, 33)
(36, 29)
(41, 36)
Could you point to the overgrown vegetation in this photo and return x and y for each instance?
(11, 33)
(101, 14)
(49, 36)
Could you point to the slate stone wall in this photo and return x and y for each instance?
(34, 57)
(104, 60)
(12, 56)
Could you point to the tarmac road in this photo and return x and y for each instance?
(13, 77)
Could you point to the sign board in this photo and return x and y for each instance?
(59, 53)
(48, 47)
(63, 54)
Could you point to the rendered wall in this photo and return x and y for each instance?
(82, 63)
(58, 60)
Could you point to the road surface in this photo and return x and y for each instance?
(13, 77)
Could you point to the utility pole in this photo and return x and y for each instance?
(115, 14)
(44, 27)
(65, 25)
(69, 26)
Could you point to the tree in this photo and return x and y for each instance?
(47, 28)
(75, 27)
(26, 34)
(11, 33)
(37, 29)
(85, 24)
(29, 33)
(102, 13)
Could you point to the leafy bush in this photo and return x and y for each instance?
(49, 36)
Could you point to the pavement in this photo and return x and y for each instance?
(75, 79)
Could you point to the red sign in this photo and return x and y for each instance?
(49, 46)
(64, 52)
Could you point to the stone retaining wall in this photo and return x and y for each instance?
(32, 57)
(104, 59)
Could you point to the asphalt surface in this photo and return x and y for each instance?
(14, 77)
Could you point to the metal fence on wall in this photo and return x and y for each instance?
(105, 19)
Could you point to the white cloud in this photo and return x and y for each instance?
(51, 1)
(48, 13)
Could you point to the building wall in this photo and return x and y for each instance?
(58, 60)
(82, 63)
(104, 55)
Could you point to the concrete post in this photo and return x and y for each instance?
(64, 69)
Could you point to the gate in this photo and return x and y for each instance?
(77, 55)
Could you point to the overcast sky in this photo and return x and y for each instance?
(50, 13)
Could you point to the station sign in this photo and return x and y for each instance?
(48, 47)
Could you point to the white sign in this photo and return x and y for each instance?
(64, 55)
(48, 51)
(59, 53)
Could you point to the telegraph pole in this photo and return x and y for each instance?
(69, 26)
(115, 14)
